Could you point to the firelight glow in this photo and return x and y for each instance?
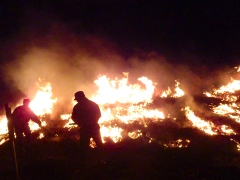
(41, 105)
(229, 94)
(178, 92)
(124, 104)
(43, 102)
(205, 126)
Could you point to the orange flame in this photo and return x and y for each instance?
(178, 92)
(41, 105)
(228, 94)
(205, 126)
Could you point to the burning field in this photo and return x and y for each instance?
(148, 133)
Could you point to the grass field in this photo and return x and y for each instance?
(57, 158)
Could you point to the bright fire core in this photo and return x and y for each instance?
(127, 111)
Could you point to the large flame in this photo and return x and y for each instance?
(41, 105)
(124, 105)
(119, 90)
(229, 94)
(122, 102)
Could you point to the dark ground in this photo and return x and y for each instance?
(206, 157)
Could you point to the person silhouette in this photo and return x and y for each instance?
(86, 114)
(20, 119)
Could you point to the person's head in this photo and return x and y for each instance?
(26, 102)
(79, 96)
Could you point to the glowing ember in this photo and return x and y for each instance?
(92, 143)
(238, 68)
(40, 136)
(178, 143)
(238, 144)
(135, 134)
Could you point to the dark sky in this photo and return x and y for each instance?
(184, 32)
(209, 29)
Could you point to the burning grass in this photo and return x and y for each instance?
(169, 135)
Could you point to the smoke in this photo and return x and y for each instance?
(50, 51)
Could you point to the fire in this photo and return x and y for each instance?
(178, 143)
(127, 109)
(230, 110)
(113, 91)
(229, 94)
(205, 126)
(3, 125)
(227, 130)
(238, 144)
(178, 92)
(122, 102)
(41, 105)
(238, 68)
(135, 134)
(231, 87)
(114, 133)
(3, 129)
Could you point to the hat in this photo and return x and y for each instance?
(79, 95)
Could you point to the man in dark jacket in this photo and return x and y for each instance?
(20, 118)
(86, 114)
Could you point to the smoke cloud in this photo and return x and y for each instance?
(50, 51)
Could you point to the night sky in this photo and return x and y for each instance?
(209, 29)
(191, 33)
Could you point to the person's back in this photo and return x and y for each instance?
(86, 113)
(21, 115)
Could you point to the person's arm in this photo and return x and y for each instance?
(74, 116)
(97, 112)
(35, 118)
